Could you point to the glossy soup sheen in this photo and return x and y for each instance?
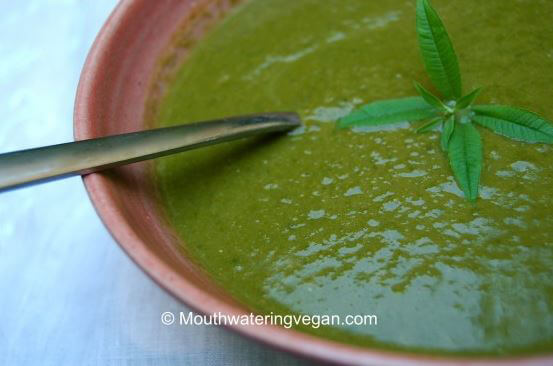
(369, 221)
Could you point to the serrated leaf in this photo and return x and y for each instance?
(447, 131)
(389, 111)
(514, 123)
(465, 158)
(437, 51)
(467, 100)
(429, 97)
(429, 126)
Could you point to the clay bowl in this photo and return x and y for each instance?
(116, 82)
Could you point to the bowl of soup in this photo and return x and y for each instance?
(325, 222)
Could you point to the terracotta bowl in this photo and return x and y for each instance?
(118, 78)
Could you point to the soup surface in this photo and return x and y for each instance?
(369, 220)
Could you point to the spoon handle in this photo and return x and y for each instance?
(26, 167)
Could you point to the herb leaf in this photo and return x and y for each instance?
(389, 111)
(467, 100)
(465, 158)
(437, 51)
(429, 97)
(457, 114)
(429, 126)
(515, 123)
(447, 131)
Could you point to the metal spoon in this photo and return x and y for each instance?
(26, 167)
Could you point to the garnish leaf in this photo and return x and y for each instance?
(389, 111)
(437, 51)
(429, 126)
(429, 97)
(467, 100)
(457, 114)
(465, 158)
(515, 123)
(447, 131)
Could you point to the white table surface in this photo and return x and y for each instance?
(68, 294)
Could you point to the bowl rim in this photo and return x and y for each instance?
(296, 342)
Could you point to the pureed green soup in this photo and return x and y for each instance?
(369, 220)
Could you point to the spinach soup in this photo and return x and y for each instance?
(369, 220)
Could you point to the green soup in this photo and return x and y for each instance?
(369, 220)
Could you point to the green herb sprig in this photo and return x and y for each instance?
(455, 113)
